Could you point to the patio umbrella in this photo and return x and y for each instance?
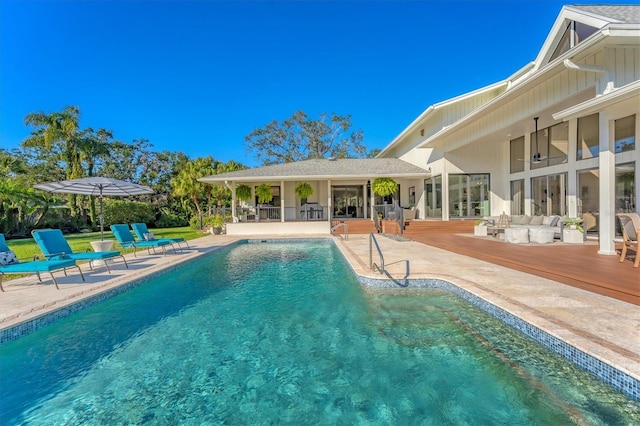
(97, 186)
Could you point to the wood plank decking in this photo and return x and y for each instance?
(577, 265)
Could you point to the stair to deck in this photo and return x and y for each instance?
(356, 226)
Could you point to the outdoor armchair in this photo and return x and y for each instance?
(54, 246)
(142, 232)
(629, 236)
(127, 240)
(34, 267)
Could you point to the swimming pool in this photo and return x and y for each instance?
(283, 333)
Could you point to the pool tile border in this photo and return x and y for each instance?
(620, 380)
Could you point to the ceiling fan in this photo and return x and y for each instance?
(537, 157)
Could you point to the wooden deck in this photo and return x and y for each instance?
(577, 265)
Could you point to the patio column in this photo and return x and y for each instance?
(281, 201)
(607, 164)
(365, 204)
(233, 198)
(329, 198)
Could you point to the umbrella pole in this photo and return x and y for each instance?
(101, 220)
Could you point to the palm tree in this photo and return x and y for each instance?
(58, 128)
(186, 183)
(93, 145)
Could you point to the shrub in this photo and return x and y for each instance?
(118, 211)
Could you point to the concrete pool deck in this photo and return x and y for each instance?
(603, 327)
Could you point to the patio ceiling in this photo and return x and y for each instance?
(324, 169)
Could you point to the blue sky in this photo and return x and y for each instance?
(197, 76)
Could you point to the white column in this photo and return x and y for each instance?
(572, 175)
(233, 199)
(445, 189)
(607, 160)
(329, 201)
(281, 201)
(364, 200)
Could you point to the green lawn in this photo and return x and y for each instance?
(26, 248)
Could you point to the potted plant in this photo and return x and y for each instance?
(384, 186)
(573, 231)
(263, 191)
(303, 190)
(217, 223)
(480, 228)
(243, 192)
(574, 223)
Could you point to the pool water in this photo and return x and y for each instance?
(284, 334)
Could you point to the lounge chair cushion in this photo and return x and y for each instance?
(55, 246)
(37, 266)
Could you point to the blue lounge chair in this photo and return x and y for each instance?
(35, 267)
(127, 240)
(141, 229)
(54, 246)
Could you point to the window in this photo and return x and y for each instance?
(588, 137)
(468, 195)
(516, 153)
(548, 195)
(625, 188)
(625, 134)
(433, 197)
(575, 32)
(517, 197)
(348, 201)
(589, 191)
(549, 146)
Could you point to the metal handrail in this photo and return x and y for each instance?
(346, 229)
(372, 241)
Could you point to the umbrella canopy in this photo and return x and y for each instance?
(97, 186)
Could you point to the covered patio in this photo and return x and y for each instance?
(340, 190)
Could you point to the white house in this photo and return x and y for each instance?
(556, 137)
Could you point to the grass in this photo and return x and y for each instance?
(26, 248)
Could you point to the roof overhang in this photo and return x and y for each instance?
(323, 170)
(628, 93)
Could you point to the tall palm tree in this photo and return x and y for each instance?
(186, 183)
(92, 146)
(58, 128)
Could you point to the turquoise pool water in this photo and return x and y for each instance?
(283, 334)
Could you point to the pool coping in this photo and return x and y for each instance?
(618, 377)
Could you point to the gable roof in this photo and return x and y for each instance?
(597, 16)
(616, 24)
(321, 169)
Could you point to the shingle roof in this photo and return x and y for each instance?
(626, 13)
(325, 169)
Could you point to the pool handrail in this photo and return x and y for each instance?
(372, 264)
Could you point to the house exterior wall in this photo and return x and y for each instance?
(472, 134)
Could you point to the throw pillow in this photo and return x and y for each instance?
(8, 257)
(524, 220)
(554, 221)
(148, 236)
(536, 220)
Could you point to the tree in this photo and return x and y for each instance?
(59, 128)
(300, 138)
(186, 183)
(93, 146)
